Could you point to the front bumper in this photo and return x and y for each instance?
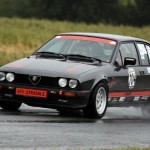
(55, 98)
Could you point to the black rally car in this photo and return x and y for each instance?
(85, 71)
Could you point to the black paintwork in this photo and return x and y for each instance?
(88, 75)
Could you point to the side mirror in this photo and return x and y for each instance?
(129, 61)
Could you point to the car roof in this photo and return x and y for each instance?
(115, 37)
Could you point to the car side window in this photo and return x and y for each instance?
(143, 54)
(148, 50)
(129, 50)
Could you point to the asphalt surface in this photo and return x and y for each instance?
(41, 129)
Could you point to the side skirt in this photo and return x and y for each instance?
(129, 98)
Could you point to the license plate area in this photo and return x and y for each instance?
(31, 92)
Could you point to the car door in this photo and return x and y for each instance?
(127, 78)
(144, 69)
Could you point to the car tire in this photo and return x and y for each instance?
(10, 106)
(146, 111)
(98, 101)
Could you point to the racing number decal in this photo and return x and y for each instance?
(132, 78)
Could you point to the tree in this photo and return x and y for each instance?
(143, 11)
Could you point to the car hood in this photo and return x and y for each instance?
(52, 67)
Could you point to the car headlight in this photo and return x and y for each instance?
(10, 77)
(73, 83)
(62, 82)
(2, 76)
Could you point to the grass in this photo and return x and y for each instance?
(20, 37)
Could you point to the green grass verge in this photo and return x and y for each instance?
(20, 37)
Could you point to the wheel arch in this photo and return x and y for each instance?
(103, 80)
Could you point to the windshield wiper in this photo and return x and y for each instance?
(50, 54)
(78, 56)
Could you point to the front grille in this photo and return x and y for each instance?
(21, 79)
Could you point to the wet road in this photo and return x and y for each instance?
(37, 128)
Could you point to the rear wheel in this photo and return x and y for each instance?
(146, 111)
(97, 105)
(10, 106)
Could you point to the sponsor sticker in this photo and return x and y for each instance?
(142, 57)
(57, 37)
(86, 38)
(122, 99)
(136, 98)
(144, 97)
(113, 99)
(132, 78)
(148, 69)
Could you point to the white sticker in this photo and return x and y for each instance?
(136, 98)
(58, 37)
(122, 99)
(112, 99)
(132, 78)
(142, 57)
(145, 98)
(148, 69)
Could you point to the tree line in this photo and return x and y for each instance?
(128, 12)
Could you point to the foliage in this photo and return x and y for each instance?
(135, 12)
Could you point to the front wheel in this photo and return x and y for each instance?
(10, 106)
(146, 111)
(98, 101)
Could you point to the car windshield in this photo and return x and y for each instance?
(94, 47)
